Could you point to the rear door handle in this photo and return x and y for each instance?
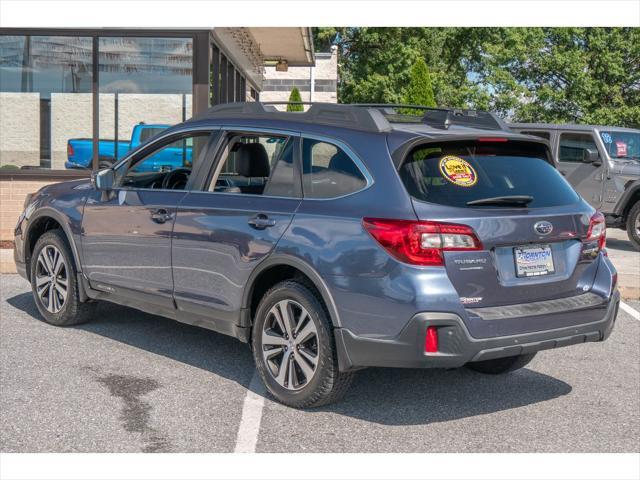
(160, 215)
(261, 221)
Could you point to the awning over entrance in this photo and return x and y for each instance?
(251, 47)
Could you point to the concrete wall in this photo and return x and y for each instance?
(19, 129)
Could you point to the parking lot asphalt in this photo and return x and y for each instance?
(132, 382)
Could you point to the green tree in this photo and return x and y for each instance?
(295, 97)
(420, 90)
(584, 75)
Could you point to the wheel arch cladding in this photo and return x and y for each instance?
(41, 224)
(277, 269)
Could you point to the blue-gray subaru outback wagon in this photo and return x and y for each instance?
(344, 237)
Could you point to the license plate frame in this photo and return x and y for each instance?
(538, 264)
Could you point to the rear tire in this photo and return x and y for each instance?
(54, 282)
(501, 365)
(299, 365)
(633, 226)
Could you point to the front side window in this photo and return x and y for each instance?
(573, 146)
(328, 172)
(469, 174)
(166, 167)
(623, 145)
(257, 165)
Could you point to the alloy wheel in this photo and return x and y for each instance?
(290, 345)
(52, 280)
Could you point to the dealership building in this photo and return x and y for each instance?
(58, 85)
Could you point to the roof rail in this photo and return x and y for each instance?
(334, 114)
(443, 118)
(371, 117)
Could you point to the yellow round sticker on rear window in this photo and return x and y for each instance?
(458, 171)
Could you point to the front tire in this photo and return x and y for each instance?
(54, 282)
(633, 226)
(294, 348)
(498, 366)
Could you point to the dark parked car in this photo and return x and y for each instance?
(603, 165)
(335, 239)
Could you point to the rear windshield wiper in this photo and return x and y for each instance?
(515, 200)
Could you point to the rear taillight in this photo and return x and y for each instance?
(70, 151)
(421, 243)
(597, 230)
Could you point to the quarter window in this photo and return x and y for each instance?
(328, 172)
(573, 145)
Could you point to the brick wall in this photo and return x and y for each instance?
(12, 195)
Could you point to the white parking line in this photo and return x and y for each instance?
(251, 416)
(630, 310)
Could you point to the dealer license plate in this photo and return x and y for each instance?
(533, 261)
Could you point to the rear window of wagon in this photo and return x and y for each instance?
(455, 173)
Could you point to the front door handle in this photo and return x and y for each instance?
(160, 215)
(261, 221)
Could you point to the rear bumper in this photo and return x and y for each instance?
(457, 347)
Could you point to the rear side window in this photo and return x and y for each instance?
(573, 145)
(328, 172)
(460, 172)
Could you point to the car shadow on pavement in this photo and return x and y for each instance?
(381, 395)
(198, 347)
(422, 396)
(618, 244)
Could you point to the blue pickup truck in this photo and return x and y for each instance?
(80, 150)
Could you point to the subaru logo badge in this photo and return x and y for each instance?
(543, 228)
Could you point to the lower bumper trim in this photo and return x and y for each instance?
(456, 346)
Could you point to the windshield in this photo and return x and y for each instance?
(619, 144)
(478, 175)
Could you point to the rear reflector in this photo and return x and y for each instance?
(431, 340)
(421, 243)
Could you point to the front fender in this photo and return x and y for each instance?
(632, 190)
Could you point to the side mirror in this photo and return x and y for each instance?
(103, 179)
(591, 156)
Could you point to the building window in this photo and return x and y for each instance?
(142, 81)
(45, 99)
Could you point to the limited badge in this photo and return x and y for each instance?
(458, 171)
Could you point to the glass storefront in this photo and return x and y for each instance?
(144, 84)
(45, 98)
(144, 87)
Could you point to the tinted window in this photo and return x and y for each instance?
(540, 134)
(328, 172)
(460, 172)
(573, 145)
